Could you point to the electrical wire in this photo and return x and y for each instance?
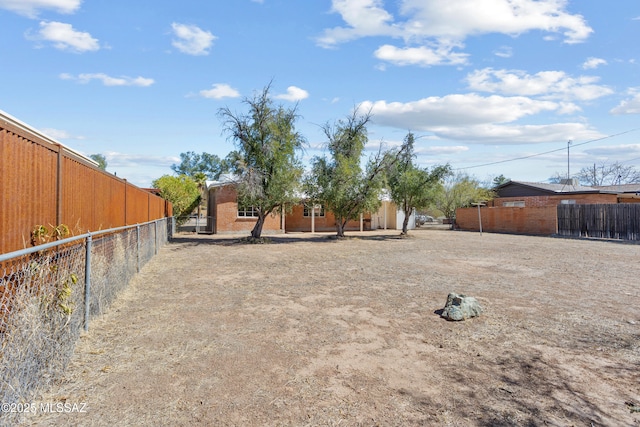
(548, 152)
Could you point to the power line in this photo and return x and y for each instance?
(548, 152)
(630, 160)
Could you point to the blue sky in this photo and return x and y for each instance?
(480, 82)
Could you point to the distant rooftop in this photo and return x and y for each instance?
(224, 179)
(570, 188)
(554, 188)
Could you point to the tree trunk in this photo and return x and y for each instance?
(405, 222)
(340, 228)
(257, 229)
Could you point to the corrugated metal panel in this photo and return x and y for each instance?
(27, 189)
(43, 183)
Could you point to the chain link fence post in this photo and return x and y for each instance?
(87, 281)
(155, 228)
(138, 248)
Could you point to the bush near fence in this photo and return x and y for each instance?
(43, 182)
(49, 292)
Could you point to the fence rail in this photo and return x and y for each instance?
(605, 221)
(49, 292)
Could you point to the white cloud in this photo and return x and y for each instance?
(363, 17)
(31, 8)
(622, 150)
(219, 91)
(455, 110)
(108, 80)
(545, 84)
(628, 106)
(293, 94)
(592, 63)
(115, 159)
(423, 56)
(477, 119)
(453, 20)
(442, 149)
(60, 134)
(191, 39)
(65, 37)
(504, 52)
(458, 19)
(518, 134)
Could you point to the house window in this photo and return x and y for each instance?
(247, 211)
(318, 210)
(514, 204)
(568, 202)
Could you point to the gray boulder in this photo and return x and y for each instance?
(460, 307)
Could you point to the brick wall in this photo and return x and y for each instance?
(295, 221)
(540, 220)
(223, 206)
(554, 200)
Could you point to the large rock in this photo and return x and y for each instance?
(460, 307)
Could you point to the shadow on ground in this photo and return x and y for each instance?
(192, 239)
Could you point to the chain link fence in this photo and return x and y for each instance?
(48, 293)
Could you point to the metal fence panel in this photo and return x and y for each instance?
(45, 183)
(43, 301)
(42, 314)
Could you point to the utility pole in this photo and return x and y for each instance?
(568, 174)
(478, 204)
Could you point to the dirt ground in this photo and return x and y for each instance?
(312, 331)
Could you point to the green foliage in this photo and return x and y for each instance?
(65, 303)
(460, 191)
(410, 186)
(100, 159)
(41, 234)
(209, 165)
(182, 191)
(499, 180)
(266, 157)
(339, 182)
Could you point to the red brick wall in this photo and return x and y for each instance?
(554, 200)
(296, 222)
(628, 199)
(541, 220)
(224, 207)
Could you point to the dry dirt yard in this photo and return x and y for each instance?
(312, 331)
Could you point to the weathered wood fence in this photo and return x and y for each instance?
(606, 221)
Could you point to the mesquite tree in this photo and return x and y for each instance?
(340, 182)
(267, 145)
(410, 186)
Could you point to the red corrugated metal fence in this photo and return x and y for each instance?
(45, 183)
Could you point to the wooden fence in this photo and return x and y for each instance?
(42, 182)
(606, 221)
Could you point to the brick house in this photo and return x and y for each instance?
(531, 207)
(530, 194)
(225, 216)
(387, 217)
